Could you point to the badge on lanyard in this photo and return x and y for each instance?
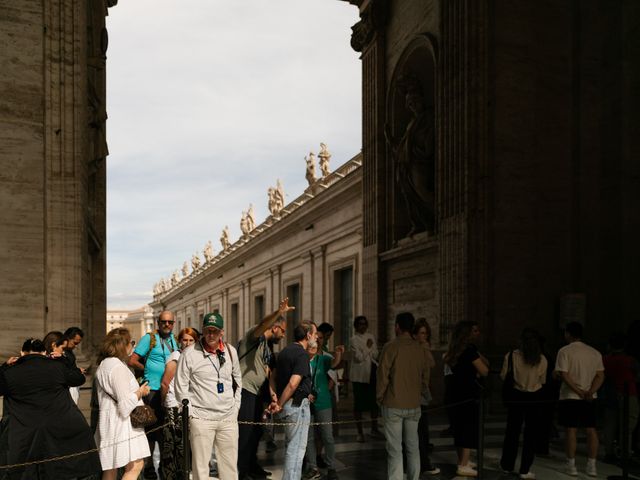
(220, 387)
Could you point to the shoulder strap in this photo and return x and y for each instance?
(255, 345)
(152, 342)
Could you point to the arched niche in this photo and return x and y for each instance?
(411, 140)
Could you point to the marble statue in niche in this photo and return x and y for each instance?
(413, 154)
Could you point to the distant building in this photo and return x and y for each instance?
(139, 321)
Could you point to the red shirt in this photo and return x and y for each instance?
(620, 368)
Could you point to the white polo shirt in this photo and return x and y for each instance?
(581, 362)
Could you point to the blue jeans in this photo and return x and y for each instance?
(401, 425)
(326, 433)
(295, 437)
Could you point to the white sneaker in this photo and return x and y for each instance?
(466, 471)
(591, 469)
(529, 475)
(570, 469)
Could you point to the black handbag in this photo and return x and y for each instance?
(508, 385)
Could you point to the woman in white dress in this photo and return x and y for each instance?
(120, 444)
(172, 455)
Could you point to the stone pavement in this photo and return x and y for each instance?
(358, 461)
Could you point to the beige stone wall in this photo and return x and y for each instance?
(306, 247)
(52, 223)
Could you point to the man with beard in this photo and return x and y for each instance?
(294, 391)
(151, 355)
(255, 351)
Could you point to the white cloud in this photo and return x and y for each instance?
(209, 102)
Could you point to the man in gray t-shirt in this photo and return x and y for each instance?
(255, 351)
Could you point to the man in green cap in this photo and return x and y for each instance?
(208, 375)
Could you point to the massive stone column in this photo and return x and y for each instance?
(52, 186)
(463, 176)
(369, 38)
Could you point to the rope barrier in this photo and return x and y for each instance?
(78, 454)
(239, 422)
(247, 422)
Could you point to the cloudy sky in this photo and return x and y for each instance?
(209, 102)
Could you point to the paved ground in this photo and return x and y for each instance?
(358, 461)
(368, 460)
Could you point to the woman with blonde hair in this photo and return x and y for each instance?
(172, 453)
(120, 444)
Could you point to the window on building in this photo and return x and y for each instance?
(234, 316)
(293, 317)
(343, 305)
(258, 308)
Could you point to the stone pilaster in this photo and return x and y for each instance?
(463, 170)
(319, 291)
(307, 286)
(368, 38)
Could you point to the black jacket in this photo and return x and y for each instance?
(44, 422)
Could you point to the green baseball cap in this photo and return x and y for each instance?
(213, 320)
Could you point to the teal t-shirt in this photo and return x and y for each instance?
(155, 364)
(320, 365)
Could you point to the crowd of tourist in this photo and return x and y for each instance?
(232, 391)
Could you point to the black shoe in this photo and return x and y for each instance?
(332, 475)
(259, 472)
(150, 473)
(320, 462)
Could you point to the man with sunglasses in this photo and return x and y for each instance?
(151, 355)
(256, 353)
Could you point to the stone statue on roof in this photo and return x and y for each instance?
(185, 269)
(279, 195)
(311, 168)
(272, 202)
(244, 223)
(224, 239)
(251, 218)
(208, 252)
(175, 278)
(195, 262)
(324, 157)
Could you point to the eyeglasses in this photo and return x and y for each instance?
(212, 331)
(167, 322)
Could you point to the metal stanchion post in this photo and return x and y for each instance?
(185, 438)
(481, 408)
(624, 433)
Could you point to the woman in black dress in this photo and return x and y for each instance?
(44, 422)
(467, 366)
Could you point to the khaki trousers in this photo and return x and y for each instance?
(206, 435)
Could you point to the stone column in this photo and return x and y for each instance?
(462, 170)
(318, 312)
(277, 285)
(368, 38)
(306, 300)
(268, 294)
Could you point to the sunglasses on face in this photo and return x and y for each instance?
(166, 322)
